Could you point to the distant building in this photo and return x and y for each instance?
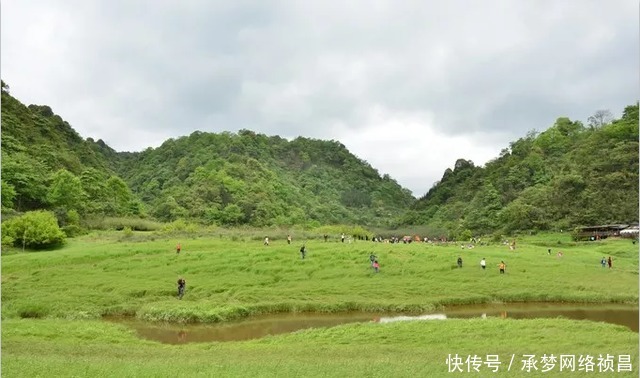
(599, 232)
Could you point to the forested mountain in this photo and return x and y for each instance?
(46, 164)
(226, 179)
(251, 178)
(566, 176)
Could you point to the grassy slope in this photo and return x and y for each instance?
(98, 274)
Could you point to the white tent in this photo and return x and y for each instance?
(630, 231)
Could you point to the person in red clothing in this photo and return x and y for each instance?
(178, 248)
(376, 266)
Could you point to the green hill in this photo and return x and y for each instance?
(225, 179)
(566, 176)
(46, 164)
(249, 178)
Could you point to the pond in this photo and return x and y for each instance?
(263, 325)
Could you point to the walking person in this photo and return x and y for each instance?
(342, 238)
(609, 262)
(178, 249)
(181, 286)
(266, 240)
(502, 266)
(603, 262)
(483, 263)
(376, 266)
(288, 239)
(372, 258)
(303, 251)
(459, 262)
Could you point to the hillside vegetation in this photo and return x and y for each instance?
(46, 164)
(224, 179)
(249, 178)
(566, 176)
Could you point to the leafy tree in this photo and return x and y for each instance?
(168, 210)
(232, 215)
(66, 191)
(27, 177)
(93, 184)
(35, 229)
(482, 217)
(119, 196)
(8, 194)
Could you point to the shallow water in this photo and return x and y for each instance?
(261, 326)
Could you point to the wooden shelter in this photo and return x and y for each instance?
(599, 232)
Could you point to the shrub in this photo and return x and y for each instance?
(465, 235)
(7, 239)
(72, 230)
(34, 229)
(180, 225)
(119, 223)
(127, 232)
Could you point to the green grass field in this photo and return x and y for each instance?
(52, 303)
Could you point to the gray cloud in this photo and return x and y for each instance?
(468, 77)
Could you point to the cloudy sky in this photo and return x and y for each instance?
(409, 86)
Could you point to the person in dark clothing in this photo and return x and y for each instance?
(372, 258)
(609, 262)
(326, 237)
(303, 251)
(459, 262)
(181, 285)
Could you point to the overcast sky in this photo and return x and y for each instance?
(409, 86)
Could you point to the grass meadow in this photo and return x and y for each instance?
(52, 303)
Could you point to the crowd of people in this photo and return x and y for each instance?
(373, 259)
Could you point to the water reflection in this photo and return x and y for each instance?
(394, 319)
(261, 326)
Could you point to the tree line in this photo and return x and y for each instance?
(568, 175)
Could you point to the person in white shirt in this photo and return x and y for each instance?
(483, 263)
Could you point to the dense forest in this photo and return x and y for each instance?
(565, 176)
(222, 179)
(251, 178)
(47, 165)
